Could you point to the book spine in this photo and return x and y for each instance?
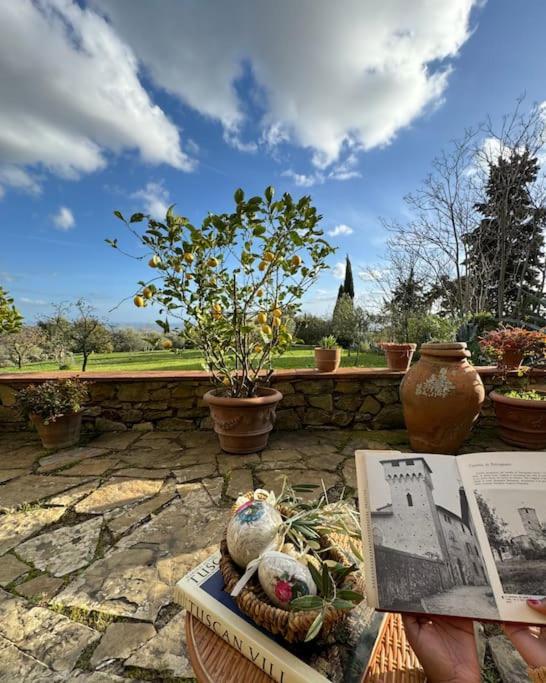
(241, 641)
(368, 551)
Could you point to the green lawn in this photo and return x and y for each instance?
(191, 360)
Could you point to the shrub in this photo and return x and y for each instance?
(52, 399)
(309, 329)
(329, 342)
(431, 328)
(514, 339)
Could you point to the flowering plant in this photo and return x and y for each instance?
(235, 282)
(514, 340)
(51, 400)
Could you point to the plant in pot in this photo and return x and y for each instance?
(398, 355)
(327, 354)
(510, 345)
(236, 283)
(55, 409)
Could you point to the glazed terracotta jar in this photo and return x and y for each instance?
(441, 397)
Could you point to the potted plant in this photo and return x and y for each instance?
(55, 409)
(510, 345)
(327, 354)
(521, 414)
(398, 355)
(236, 283)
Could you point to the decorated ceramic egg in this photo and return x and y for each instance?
(253, 529)
(283, 578)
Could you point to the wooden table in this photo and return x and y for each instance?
(214, 661)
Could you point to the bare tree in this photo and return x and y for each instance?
(88, 333)
(24, 346)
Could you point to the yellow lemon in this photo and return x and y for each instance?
(217, 307)
(167, 344)
(138, 301)
(188, 257)
(258, 348)
(266, 329)
(260, 292)
(277, 313)
(177, 267)
(147, 292)
(212, 263)
(296, 260)
(154, 261)
(262, 266)
(269, 256)
(262, 318)
(276, 322)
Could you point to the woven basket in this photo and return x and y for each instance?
(292, 626)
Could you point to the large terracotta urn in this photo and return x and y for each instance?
(441, 398)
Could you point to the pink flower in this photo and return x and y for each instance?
(283, 591)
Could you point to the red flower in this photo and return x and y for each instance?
(283, 591)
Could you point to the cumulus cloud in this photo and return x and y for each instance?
(338, 271)
(74, 95)
(64, 219)
(155, 198)
(302, 179)
(325, 79)
(341, 229)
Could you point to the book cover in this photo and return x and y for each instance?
(462, 536)
(342, 659)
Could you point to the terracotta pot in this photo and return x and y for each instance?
(327, 360)
(62, 433)
(399, 355)
(441, 397)
(510, 360)
(243, 424)
(521, 422)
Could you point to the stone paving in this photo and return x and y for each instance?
(93, 539)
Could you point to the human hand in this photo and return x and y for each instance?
(445, 647)
(530, 641)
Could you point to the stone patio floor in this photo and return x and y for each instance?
(93, 539)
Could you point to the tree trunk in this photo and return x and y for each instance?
(84, 363)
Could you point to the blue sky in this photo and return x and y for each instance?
(124, 104)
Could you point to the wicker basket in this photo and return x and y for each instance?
(292, 626)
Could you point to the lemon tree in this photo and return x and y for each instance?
(10, 318)
(235, 282)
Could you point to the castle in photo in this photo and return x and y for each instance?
(535, 533)
(417, 528)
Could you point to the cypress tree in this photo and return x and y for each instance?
(349, 285)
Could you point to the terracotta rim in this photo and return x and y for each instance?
(519, 402)
(392, 346)
(267, 396)
(455, 350)
(321, 349)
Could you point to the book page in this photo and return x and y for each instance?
(422, 551)
(506, 494)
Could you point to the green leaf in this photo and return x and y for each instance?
(119, 215)
(239, 195)
(136, 218)
(342, 604)
(315, 627)
(317, 578)
(305, 603)
(351, 596)
(269, 192)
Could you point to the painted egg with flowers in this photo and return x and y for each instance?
(284, 578)
(253, 529)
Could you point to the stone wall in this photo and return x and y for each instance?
(173, 401)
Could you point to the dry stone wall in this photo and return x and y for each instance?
(348, 399)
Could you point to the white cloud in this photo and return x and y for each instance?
(155, 198)
(15, 177)
(341, 229)
(33, 302)
(326, 79)
(338, 271)
(74, 95)
(64, 219)
(303, 180)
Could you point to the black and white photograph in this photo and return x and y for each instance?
(426, 550)
(515, 523)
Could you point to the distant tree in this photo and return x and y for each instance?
(349, 285)
(311, 328)
(127, 339)
(10, 318)
(344, 322)
(495, 528)
(340, 292)
(57, 333)
(24, 346)
(88, 333)
(408, 300)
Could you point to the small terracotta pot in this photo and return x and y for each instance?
(243, 424)
(327, 360)
(398, 355)
(510, 360)
(521, 422)
(441, 397)
(62, 433)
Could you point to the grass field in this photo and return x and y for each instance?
(522, 577)
(191, 360)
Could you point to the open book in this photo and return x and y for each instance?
(464, 536)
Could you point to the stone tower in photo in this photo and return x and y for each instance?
(414, 524)
(532, 525)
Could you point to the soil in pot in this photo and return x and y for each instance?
(62, 433)
(399, 356)
(243, 424)
(441, 398)
(327, 360)
(521, 422)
